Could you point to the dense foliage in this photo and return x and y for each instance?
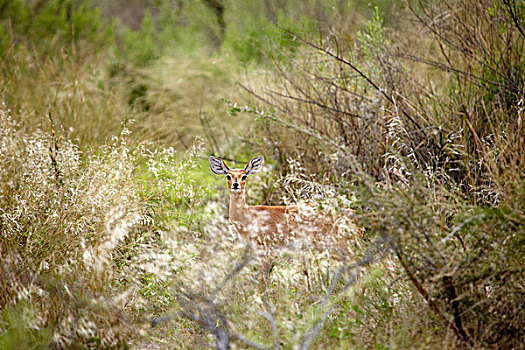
(408, 112)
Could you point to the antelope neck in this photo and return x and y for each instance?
(237, 205)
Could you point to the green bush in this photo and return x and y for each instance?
(140, 47)
(417, 128)
(51, 26)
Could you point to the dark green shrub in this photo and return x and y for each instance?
(51, 25)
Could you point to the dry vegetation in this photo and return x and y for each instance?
(113, 230)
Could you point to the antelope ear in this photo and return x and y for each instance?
(254, 165)
(218, 166)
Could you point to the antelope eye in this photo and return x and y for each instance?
(228, 177)
(243, 178)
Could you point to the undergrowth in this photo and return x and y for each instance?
(114, 232)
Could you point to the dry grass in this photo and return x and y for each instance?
(104, 232)
(78, 93)
(437, 170)
(185, 99)
(63, 213)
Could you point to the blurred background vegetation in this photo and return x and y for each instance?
(412, 111)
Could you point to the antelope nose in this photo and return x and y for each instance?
(235, 185)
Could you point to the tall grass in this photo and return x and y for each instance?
(111, 222)
(435, 168)
(74, 225)
(63, 213)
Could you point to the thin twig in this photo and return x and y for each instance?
(450, 69)
(245, 260)
(514, 15)
(433, 306)
(312, 333)
(315, 103)
(251, 343)
(270, 317)
(364, 76)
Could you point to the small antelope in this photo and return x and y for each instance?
(272, 226)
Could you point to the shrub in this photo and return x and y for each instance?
(63, 213)
(56, 25)
(435, 168)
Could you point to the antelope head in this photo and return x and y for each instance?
(236, 177)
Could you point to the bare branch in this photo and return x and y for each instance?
(316, 103)
(250, 343)
(451, 69)
(364, 76)
(311, 333)
(433, 306)
(245, 260)
(270, 316)
(513, 11)
(202, 309)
